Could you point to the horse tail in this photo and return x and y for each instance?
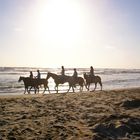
(100, 82)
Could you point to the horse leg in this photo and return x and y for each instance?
(56, 88)
(73, 85)
(45, 86)
(48, 89)
(81, 88)
(73, 89)
(25, 90)
(95, 86)
(100, 84)
(38, 89)
(69, 88)
(88, 87)
(85, 84)
(29, 90)
(35, 89)
(44, 89)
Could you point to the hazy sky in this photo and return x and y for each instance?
(73, 33)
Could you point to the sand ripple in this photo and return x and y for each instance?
(83, 116)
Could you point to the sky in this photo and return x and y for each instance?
(72, 33)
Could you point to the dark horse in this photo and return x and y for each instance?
(59, 79)
(74, 81)
(34, 83)
(95, 79)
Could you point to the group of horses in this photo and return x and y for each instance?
(30, 83)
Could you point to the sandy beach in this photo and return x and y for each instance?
(109, 114)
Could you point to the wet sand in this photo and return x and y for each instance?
(99, 115)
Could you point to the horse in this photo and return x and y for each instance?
(59, 79)
(28, 82)
(43, 82)
(95, 79)
(73, 81)
(33, 83)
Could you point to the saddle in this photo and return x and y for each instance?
(92, 78)
(62, 78)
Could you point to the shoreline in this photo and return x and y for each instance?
(107, 114)
(53, 93)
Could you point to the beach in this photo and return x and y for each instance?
(99, 115)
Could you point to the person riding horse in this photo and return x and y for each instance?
(62, 76)
(62, 71)
(38, 75)
(31, 75)
(75, 75)
(91, 73)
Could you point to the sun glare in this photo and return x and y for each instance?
(60, 22)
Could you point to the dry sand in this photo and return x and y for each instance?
(99, 115)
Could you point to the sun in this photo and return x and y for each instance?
(61, 22)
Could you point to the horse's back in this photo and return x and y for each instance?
(78, 80)
(42, 81)
(29, 81)
(81, 79)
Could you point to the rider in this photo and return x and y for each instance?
(62, 71)
(91, 73)
(75, 74)
(62, 76)
(31, 74)
(38, 75)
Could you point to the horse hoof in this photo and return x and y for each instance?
(92, 90)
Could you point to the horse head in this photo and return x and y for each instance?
(20, 78)
(53, 75)
(85, 75)
(48, 75)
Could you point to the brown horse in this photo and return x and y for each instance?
(95, 79)
(59, 79)
(33, 83)
(74, 81)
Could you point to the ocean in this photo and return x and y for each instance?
(111, 78)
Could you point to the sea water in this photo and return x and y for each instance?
(111, 78)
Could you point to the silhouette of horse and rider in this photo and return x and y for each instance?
(91, 78)
(35, 82)
(72, 80)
